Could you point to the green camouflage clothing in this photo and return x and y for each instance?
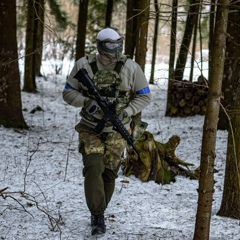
(107, 83)
(111, 145)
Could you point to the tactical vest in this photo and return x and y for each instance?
(107, 83)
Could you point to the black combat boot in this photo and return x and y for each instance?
(98, 224)
(93, 220)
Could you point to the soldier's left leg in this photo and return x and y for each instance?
(114, 147)
(94, 187)
(109, 177)
(92, 150)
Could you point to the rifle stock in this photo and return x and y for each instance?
(108, 109)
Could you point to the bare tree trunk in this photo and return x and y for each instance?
(40, 30)
(155, 39)
(211, 31)
(131, 27)
(230, 206)
(206, 181)
(173, 39)
(142, 33)
(82, 23)
(109, 11)
(172, 52)
(231, 59)
(184, 49)
(10, 92)
(29, 70)
(200, 39)
(194, 43)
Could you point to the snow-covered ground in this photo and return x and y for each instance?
(42, 169)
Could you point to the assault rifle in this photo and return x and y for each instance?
(107, 108)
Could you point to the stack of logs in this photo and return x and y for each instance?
(187, 98)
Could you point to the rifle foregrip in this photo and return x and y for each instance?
(125, 134)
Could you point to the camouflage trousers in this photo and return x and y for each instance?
(110, 144)
(102, 154)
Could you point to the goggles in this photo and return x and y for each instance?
(111, 46)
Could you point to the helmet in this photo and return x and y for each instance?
(110, 44)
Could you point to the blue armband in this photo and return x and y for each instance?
(67, 86)
(145, 90)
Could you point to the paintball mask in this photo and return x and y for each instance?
(110, 43)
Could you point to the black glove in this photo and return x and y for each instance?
(91, 106)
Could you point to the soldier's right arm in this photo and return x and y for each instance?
(72, 93)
